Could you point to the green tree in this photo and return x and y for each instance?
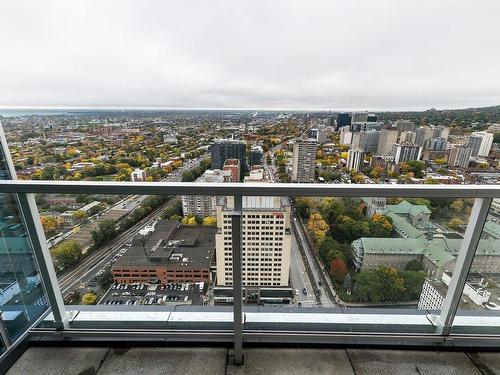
(66, 253)
(414, 265)
(105, 279)
(89, 299)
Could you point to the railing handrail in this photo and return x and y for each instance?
(250, 189)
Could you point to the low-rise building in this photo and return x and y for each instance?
(170, 253)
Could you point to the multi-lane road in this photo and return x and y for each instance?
(92, 264)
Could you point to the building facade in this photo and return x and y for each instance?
(406, 152)
(355, 160)
(266, 241)
(387, 139)
(304, 160)
(224, 149)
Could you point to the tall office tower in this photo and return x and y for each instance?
(422, 135)
(459, 156)
(266, 241)
(138, 175)
(368, 141)
(343, 119)
(345, 136)
(355, 160)
(436, 144)
(304, 157)
(223, 149)
(406, 152)
(256, 155)
(359, 117)
(405, 125)
(204, 205)
(407, 137)
(233, 166)
(386, 140)
(440, 131)
(481, 143)
(365, 126)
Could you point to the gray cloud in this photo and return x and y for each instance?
(333, 54)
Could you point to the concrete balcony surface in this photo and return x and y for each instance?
(213, 361)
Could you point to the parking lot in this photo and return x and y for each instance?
(155, 294)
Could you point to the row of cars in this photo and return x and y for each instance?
(162, 300)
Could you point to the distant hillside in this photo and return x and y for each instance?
(459, 117)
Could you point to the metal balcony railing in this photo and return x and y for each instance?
(240, 325)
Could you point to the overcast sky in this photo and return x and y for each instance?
(250, 54)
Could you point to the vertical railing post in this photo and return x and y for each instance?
(41, 250)
(236, 230)
(462, 266)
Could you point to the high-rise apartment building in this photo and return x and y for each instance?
(345, 136)
(266, 241)
(304, 157)
(256, 155)
(355, 160)
(368, 140)
(234, 167)
(224, 149)
(407, 137)
(406, 152)
(437, 144)
(440, 131)
(459, 156)
(387, 139)
(204, 205)
(422, 135)
(481, 143)
(405, 125)
(320, 133)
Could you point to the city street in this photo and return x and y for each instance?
(299, 277)
(325, 301)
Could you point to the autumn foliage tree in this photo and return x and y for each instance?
(338, 269)
(318, 227)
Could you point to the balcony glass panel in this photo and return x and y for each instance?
(326, 258)
(479, 307)
(22, 296)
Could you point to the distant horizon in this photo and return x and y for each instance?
(249, 109)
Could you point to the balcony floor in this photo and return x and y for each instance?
(213, 361)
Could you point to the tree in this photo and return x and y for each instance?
(380, 226)
(105, 279)
(105, 232)
(79, 214)
(338, 269)
(455, 223)
(66, 253)
(318, 227)
(210, 221)
(189, 220)
(89, 299)
(50, 223)
(414, 265)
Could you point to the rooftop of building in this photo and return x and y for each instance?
(172, 244)
(439, 250)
